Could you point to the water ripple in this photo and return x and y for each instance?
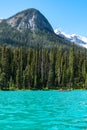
(43, 110)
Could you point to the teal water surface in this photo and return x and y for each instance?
(43, 110)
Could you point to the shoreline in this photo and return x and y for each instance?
(59, 90)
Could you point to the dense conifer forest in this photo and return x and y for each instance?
(55, 68)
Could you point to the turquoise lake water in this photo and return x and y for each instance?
(43, 110)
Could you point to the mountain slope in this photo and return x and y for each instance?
(29, 28)
(77, 39)
(30, 19)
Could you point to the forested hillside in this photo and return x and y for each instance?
(13, 37)
(22, 68)
(32, 56)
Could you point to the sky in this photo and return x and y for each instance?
(69, 16)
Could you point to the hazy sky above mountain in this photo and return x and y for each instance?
(69, 16)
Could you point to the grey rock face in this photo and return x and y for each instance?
(30, 19)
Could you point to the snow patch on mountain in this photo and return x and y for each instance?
(77, 39)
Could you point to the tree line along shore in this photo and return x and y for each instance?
(34, 68)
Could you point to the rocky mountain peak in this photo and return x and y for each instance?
(30, 19)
